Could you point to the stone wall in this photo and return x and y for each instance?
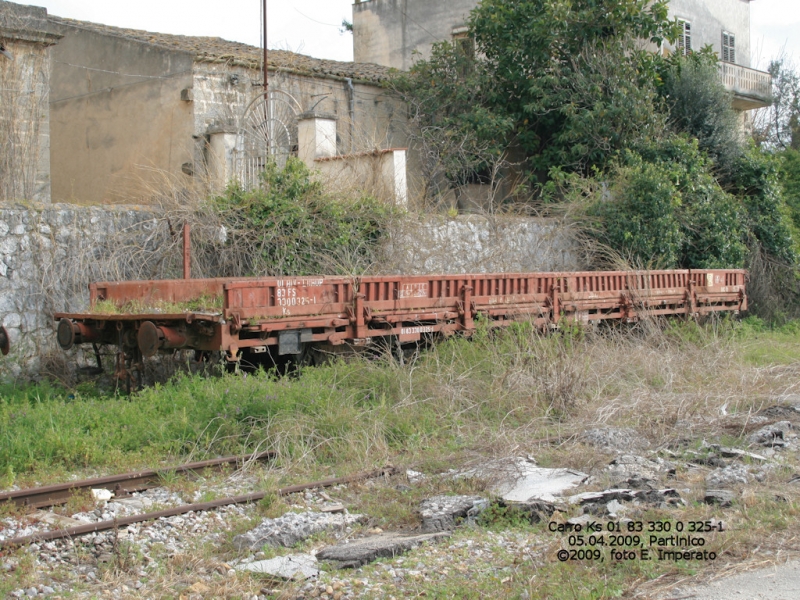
(49, 254)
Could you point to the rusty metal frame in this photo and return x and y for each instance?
(342, 310)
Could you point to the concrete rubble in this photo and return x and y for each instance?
(730, 475)
(296, 567)
(630, 465)
(775, 435)
(292, 528)
(360, 552)
(519, 480)
(443, 513)
(722, 498)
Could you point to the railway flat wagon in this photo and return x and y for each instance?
(286, 316)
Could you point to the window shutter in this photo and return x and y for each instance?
(732, 47)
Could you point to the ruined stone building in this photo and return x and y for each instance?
(24, 102)
(395, 33)
(131, 107)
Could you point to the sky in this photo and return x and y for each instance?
(314, 26)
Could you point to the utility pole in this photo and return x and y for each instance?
(266, 80)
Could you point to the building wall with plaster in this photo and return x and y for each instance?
(24, 103)
(396, 33)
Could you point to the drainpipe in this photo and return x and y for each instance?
(351, 91)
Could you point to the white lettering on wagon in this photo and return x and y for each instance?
(414, 330)
(300, 282)
(413, 290)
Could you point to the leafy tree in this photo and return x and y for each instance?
(665, 209)
(570, 74)
(700, 106)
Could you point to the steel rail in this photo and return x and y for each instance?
(122, 485)
(186, 508)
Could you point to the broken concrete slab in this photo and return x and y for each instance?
(292, 528)
(722, 498)
(519, 480)
(59, 521)
(360, 552)
(296, 567)
(441, 513)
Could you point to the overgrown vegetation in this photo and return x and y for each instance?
(293, 227)
(457, 398)
(565, 104)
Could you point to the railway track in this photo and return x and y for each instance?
(89, 528)
(121, 485)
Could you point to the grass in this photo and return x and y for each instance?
(458, 404)
(202, 304)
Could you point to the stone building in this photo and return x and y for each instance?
(395, 33)
(24, 103)
(132, 108)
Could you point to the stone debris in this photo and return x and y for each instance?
(630, 465)
(609, 502)
(722, 498)
(414, 476)
(443, 513)
(102, 495)
(360, 552)
(734, 452)
(730, 475)
(292, 528)
(615, 439)
(519, 480)
(773, 435)
(296, 567)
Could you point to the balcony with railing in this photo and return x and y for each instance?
(751, 88)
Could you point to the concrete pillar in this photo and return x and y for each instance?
(393, 170)
(316, 137)
(221, 157)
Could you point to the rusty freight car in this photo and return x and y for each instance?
(286, 317)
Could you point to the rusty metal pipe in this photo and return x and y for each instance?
(187, 251)
(71, 332)
(152, 338)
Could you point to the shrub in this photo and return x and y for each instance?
(294, 228)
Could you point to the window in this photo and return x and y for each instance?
(685, 38)
(728, 47)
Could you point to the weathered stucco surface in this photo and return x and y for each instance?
(396, 33)
(118, 120)
(24, 97)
